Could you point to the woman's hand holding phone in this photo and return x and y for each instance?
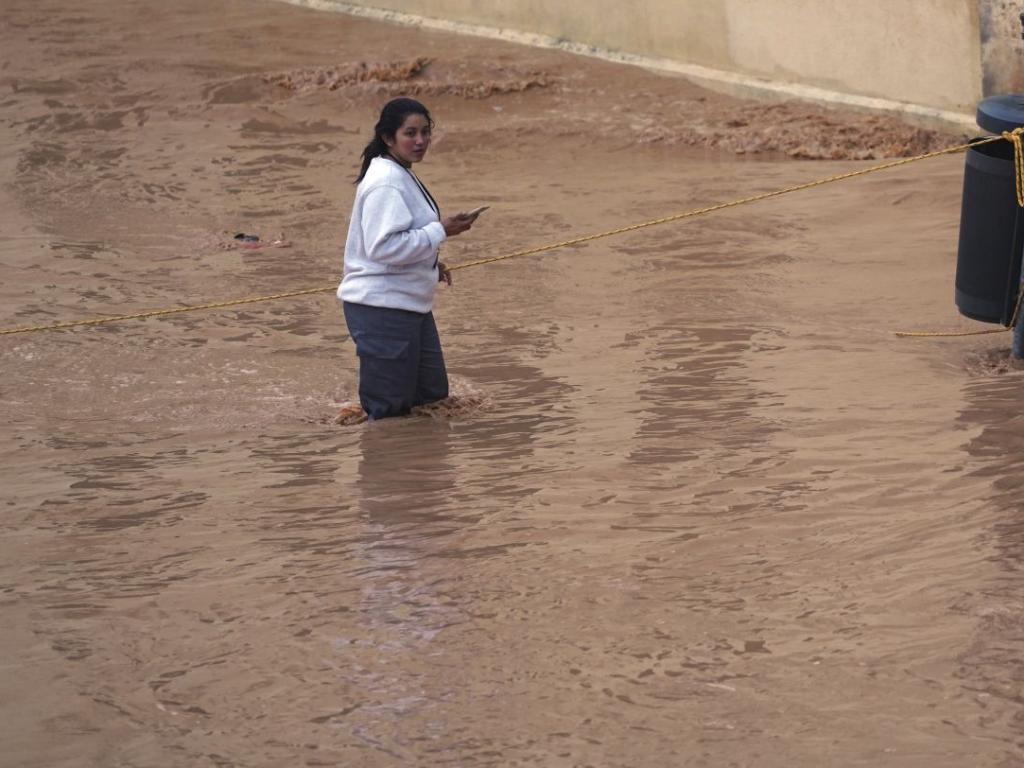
(460, 222)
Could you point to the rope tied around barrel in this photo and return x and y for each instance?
(1015, 139)
(1012, 136)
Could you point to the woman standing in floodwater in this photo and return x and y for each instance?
(392, 267)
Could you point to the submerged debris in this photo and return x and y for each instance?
(405, 77)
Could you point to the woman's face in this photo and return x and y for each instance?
(410, 142)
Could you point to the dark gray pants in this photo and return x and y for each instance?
(400, 360)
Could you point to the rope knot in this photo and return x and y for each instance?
(1014, 137)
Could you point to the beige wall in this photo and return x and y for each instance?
(940, 54)
(1002, 50)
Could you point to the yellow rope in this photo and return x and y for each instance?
(1018, 162)
(1013, 136)
(948, 334)
(730, 204)
(159, 312)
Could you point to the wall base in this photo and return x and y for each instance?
(715, 79)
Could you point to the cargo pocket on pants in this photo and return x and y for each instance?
(382, 347)
(386, 379)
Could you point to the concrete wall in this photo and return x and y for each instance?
(1002, 50)
(936, 56)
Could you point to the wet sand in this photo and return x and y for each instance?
(697, 506)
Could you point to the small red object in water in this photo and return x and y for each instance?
(350, 414)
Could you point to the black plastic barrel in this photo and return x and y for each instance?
(991, 236)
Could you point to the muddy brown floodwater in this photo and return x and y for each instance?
(695, 504)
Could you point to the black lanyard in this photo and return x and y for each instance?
(426, 192)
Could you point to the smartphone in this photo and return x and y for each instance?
(478, 211)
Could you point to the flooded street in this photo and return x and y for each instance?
(695, 504)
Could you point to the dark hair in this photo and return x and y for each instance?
(391, 119)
